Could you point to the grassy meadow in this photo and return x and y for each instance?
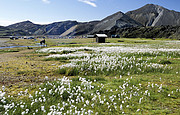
(79, 76)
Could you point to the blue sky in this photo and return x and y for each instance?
(48, 11)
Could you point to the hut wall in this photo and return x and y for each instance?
(100, 40)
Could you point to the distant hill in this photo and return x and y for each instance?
(155, 15)
(55, 28)
(27, 26)
(2, 28)
(5, 31)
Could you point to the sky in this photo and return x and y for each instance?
(49, 11)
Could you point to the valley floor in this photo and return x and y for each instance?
(122, 76)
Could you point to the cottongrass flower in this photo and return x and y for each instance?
(2, 94)
(3, 88)
(78, 97)
(138, 110)
(106, 60)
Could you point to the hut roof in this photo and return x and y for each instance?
(101, 35)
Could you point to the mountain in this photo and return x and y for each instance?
(2, 28)
(176, 35)
(81, 29)
(155, 15)
(119, 20)
(27, 26)
(5, 31)
(55, 28)
(150, 15)
(167, 31)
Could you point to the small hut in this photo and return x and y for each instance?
(101, 38)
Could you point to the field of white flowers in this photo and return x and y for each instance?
(85, 96)
(104, 79)
(116, 60)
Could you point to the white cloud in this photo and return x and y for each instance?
(89, 2)
(46, 1)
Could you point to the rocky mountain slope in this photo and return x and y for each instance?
(155, 15)
(26, 26)
(5, 31)
(118, 19)
(56, 28)
(81, 29)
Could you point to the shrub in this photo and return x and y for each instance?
(61, 71)
(56, 59)
(65, 96)
(165, 62)
(72, 71)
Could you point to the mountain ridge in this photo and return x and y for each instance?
(118, 19)
(155, 15)
(47, 29)
(148, 15)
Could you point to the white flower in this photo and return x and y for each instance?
(46, 77)
(36, 110)
(30, 96)
(121, 107)
(87, 102)
(22, 106)
(3, 88)
(27, 110)
(6, 107)
(32, 103)
(92, 105)
(140, 100)
(22, 113)
(120, 76)
(42, 108)
(2, 94)
(138, 110)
